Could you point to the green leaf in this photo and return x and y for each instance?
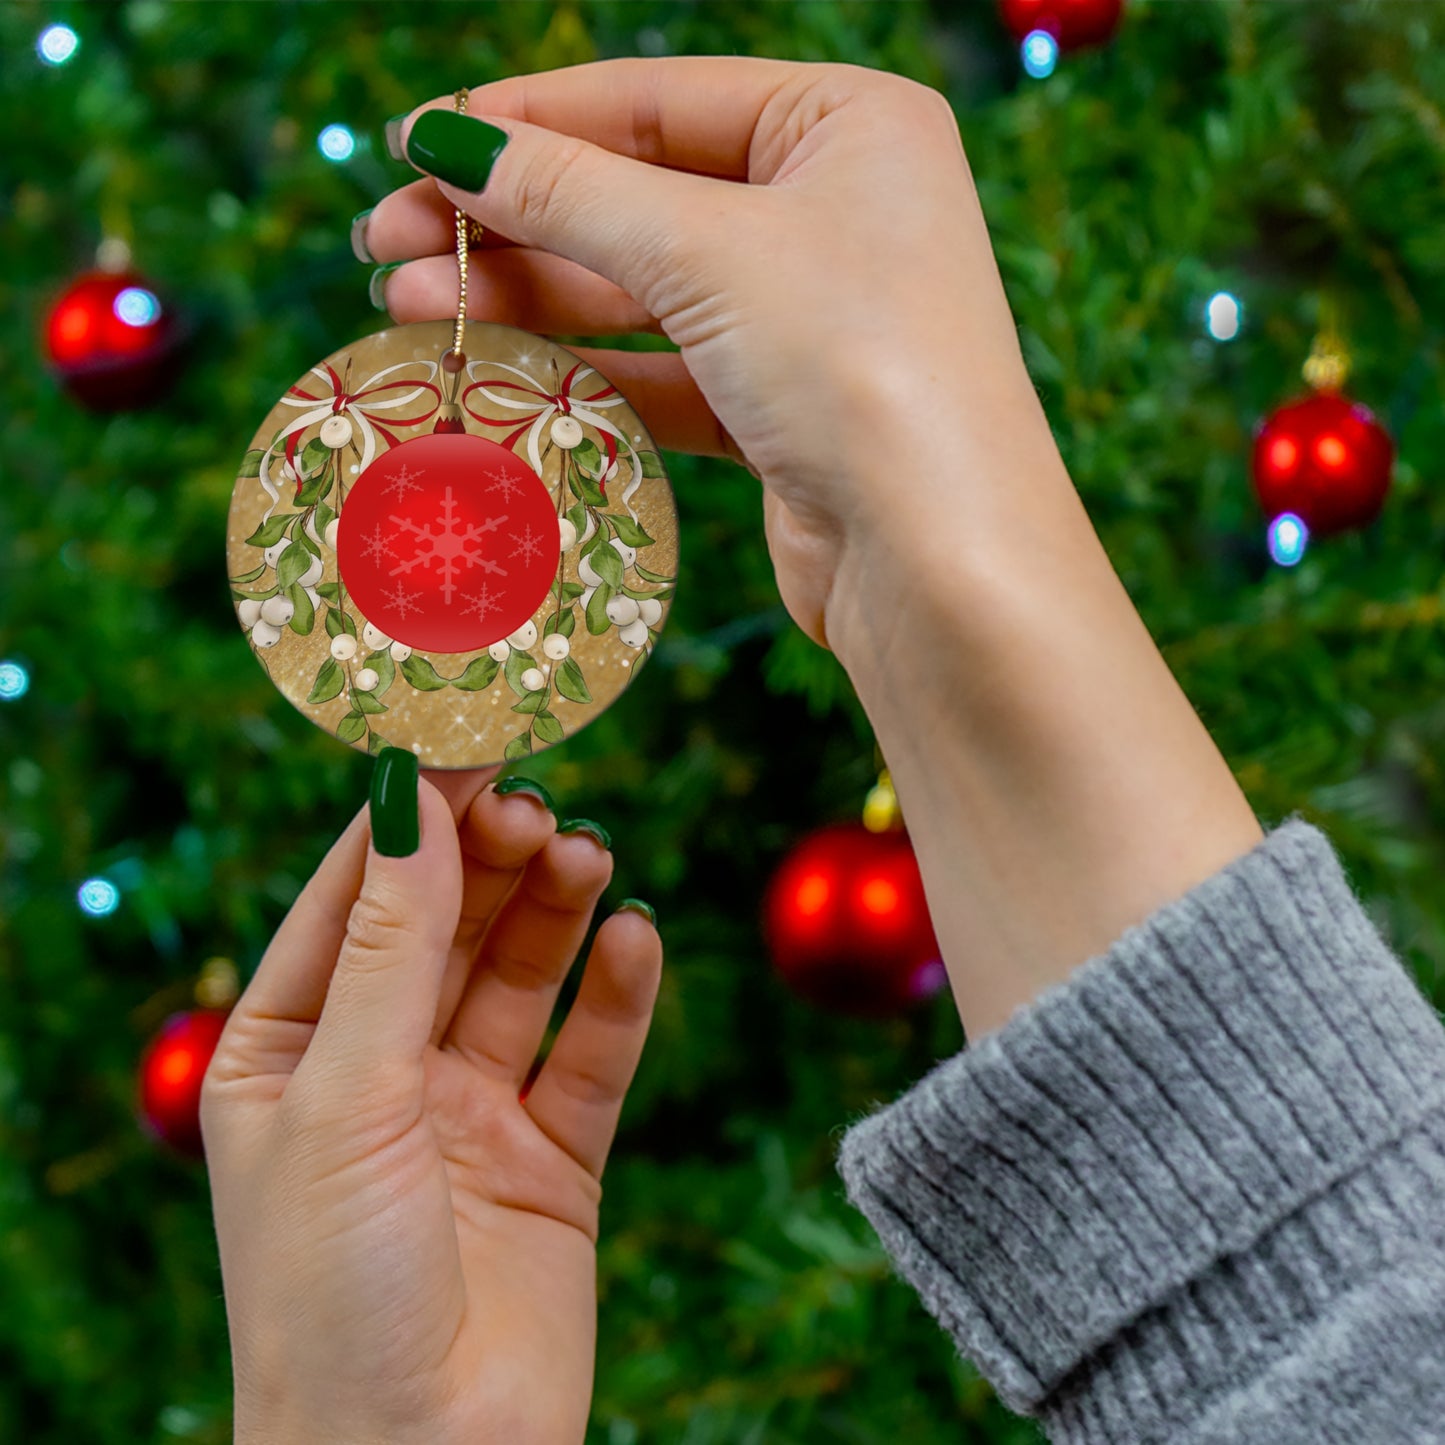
(606, 563)
(314, 454)
(316, 488)
(421, 674)
(294, 561)
(652, 576)
(351, 727)
(251, 463)
(630, 532)
(478, 674)
(331, 591)
(303, 619)
(338, 622)
(583, 487)
(519, 747)
(651, 464)
(381, 663)
(570, 682)
(533, 701)
(571, 591)
(329, 682)
(254, 596)
(578, 517)
(375, 743)
(588, 456)
(547, 728)
(560, 622)
(250, 576)
(597, 619)
(324, 517)
(269, 533)
(366, 701)
(517, 663)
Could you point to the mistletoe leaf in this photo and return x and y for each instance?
(254, 596)
(630, 531)
(547, 728)
(314, 489)
(519, 747)
(606, 564)
(597, 619)
(251, 463)
(250, 576)
(571, 591)
(338, 622)
(329, 682)
(293, 563)
(303, 619)
(651, 464)
(329, 590)
(366, 701)
(269, 533)
(570, 682)
(533, 701)
(478, 674)
(588, 456)
(375, 743)
(381, 663)
(583, 487)
(652, 576)
(351, 727)
(517, 663)
(421, 674)
(578, 517)
(314, 455)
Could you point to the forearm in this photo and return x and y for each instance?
(1056, 782)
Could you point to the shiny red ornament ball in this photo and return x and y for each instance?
(1324, 458)
(1073, 23)
(112, 340)
(171, 1071)
(847, 924)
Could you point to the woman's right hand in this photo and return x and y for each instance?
(842, 327)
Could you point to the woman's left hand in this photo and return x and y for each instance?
(407, 1235)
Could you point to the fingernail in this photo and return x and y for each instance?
(393, 136)
(455, 148)
(376, 289)
(395, 821)
(636, 905)
(530, 786)
(586, 825)
(359, 248)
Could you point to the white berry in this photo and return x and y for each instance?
(278, 611)
(336, 431)
(650, 610)
(621, 610)
(365, 680)
(272, 554)
(499, 651)
(264, 635)
(568, 532)
(566, 432)
(330, 533)
(374, 637)
(343, 647)
(628, 554)
(634, 634)
(312, 575)
(400, 652)
(556, 647)
(524, 636)
(589, 529)
(532, 679)
(249, 612)
(588, 573)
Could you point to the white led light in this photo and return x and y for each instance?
(137, 307)
(1040, 53)
(98, 897)
(14, 681)
(57, 44)
(1288, 537)
(336, 143)
(1223, 316)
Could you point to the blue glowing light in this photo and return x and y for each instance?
(137, 307)
(1288, 537)
(14, 681)
(57, 44)
(336, 143)
(98, 897)
(1040, 52)
(1223, 316)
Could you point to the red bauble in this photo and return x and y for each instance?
(847, 923)
(171, 1071)
(1073, 23)
(112, 341)
(450, 542)
(1324, 458)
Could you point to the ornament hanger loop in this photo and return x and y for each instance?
(467, 230)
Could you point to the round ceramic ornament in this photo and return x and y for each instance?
(467, 553)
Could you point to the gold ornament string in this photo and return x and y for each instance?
(460, 102)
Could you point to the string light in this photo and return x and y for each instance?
(98, 897)
(136, 306)
(1288, 537)
(1223, 316)
(14, 681)
(1040, 53)
(336, 143)
(57, 44)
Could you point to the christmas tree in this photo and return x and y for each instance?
(1179, 215)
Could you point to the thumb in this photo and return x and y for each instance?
(627, 221)
(382, 999)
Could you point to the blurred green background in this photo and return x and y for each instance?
(1287, 153)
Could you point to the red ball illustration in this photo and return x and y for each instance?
(171, 1071)
(1324, 458)
(448, 542)
(1073, 23)
(847, 923)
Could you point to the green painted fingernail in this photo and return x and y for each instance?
(530, 786)
(636, 905)
(395, 820)
(586, 825)
(455, 148)
(359, 248)
(377, 287)
(393, 136)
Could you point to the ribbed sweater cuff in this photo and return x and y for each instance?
(1141, 1166)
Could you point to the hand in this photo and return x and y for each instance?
(408, 1247)
(818, 308)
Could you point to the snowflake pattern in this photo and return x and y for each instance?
(379, 544)
(448, 546)
(480, 604)
(403, 480)
(504, 482)
(530, 546)
(401, 601)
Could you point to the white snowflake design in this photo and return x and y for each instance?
(379, 544)
(448, 545)
(401, 601)
(530, 546)
(403, 480)
(481, 603)
(504, 482)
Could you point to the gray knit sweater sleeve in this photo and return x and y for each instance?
(1197, 1191)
